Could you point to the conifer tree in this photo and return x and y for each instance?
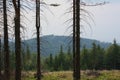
(84, 58)
(94, 55)
(112, 56)
(51, 61)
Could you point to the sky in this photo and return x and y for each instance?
(106, 25)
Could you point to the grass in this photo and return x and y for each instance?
(67, 75)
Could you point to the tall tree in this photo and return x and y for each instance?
(6, 47)
(0, 60)
(16, 4)
(74, 39)
(38, 39)
(77, 40)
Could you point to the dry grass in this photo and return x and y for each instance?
(67, 75)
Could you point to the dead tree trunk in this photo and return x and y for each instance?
(74, 39)
(77, 54)
(17, 40)
(38, 39)
(6, 47)
(0, 60)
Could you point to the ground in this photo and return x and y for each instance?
(67, 75)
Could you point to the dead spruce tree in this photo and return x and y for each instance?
(77, 40)
(6, 43)
(38, 39)
(79, 16)
(16, 4)
(74, 38)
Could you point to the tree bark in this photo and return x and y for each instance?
(38, 57)
(77, 54)
(38, 39)
(0, 61)
(17, 40)
(74, 39)
(6, 46)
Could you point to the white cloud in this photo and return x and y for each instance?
(107, 19)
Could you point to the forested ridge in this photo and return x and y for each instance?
(52, 43)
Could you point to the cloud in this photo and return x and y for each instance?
(107, 23)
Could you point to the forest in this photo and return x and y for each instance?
(21, 64)
(96, 58)
(13, 10)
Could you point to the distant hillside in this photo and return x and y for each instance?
(51, 44)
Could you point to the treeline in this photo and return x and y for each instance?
(98, 58)
(95, 58)
(28, 60)
(61, 61)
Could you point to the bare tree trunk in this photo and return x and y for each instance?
(77, 55)
(0, 61)
(17, 40)
(38, 57)
(38, 39)
(6, 46)
(74, 39)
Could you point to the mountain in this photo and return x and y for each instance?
(51, 44)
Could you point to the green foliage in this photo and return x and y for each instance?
(113, 56)
(95, 58)
(85, 59)
(62, 61)
(28, 60)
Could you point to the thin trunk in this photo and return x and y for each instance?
(6, 47)
(38, 56)
(74, 39)
(38, 39)
(77, 55)
(17, 40)
(0, 61)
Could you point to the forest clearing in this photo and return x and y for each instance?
(67, 75)
(25, 55)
